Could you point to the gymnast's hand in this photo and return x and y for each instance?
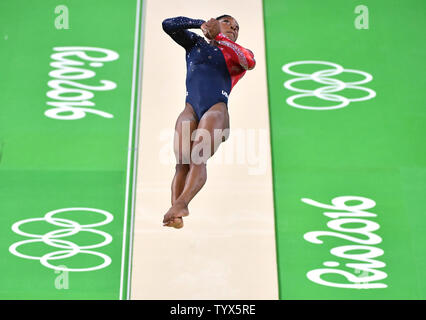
(210, 28)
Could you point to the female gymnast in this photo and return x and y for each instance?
(213, 69)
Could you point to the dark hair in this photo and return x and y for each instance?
(224, 16)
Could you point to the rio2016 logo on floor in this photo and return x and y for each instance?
(70, 96)
(332, 85)
(67, 249)
(350, 215)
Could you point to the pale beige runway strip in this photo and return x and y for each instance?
(227, 248)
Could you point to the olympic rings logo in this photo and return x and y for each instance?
(69, 249)
(332, 85)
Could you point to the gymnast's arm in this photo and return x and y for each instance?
(250, 59)
(245, 56)
(176, 29)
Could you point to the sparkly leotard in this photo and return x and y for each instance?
(212, 70)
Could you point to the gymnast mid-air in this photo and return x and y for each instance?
(213, 69)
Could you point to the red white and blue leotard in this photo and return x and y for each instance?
(212, 70)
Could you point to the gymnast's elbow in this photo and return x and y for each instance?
(251, 64)
(167, 24)
(171, 24)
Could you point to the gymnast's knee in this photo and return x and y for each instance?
(181, 167)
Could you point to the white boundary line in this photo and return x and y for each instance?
(136, 144)
(129, 148)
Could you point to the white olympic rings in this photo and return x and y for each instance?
(332, 85)
(69, 228)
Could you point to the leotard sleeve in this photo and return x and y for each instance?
(244, 57)
(176, 29)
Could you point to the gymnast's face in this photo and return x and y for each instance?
(229, 27)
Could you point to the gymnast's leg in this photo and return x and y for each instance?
(211, 131)
(186, 123)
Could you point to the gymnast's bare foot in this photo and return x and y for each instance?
(173, 217)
